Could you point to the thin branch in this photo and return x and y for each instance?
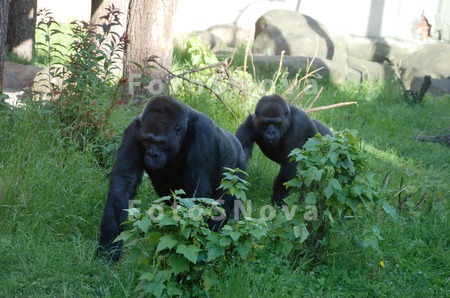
(328, 107)
(172, 75)
(315, 98)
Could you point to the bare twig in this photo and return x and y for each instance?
(386, 179)
(422, 199)
(277, 74)
(315, 98)
(440, 139)
(328, 107)
(182, 75)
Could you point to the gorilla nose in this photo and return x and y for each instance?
(153, 155)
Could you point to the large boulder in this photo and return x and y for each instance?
(431, 60)
(379, 49)
(18, 76)
(294, 33)
(336, 72)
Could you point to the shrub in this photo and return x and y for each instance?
(87, 71)
(180, 253)
(333, 182)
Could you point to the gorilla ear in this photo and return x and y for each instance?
(178, 129)
(287, 112)
(139, 122)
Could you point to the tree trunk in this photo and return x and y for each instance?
(4, 6)
(149, 29)
(21, 24)
(98, 9)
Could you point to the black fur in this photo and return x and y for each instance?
(278, 127)
(179, 148)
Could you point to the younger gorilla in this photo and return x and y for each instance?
(278, 127)
(179, 148)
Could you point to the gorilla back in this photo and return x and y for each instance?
(179, 148)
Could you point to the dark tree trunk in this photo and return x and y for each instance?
(149, 29)
(21, 24)
(4, 6)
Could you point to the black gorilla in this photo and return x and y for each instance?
(278, 127)
(179, 148)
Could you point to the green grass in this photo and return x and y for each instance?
(52, 196)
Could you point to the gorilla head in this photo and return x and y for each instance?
(163, 126)
(272, 119)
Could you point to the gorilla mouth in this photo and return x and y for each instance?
(271, 141)
(154, 164)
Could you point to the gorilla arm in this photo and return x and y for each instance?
(322, 128)
(124, 179)
(246, 135)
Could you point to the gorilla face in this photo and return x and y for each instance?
(161, 144)
(271, 120)
(161, 134)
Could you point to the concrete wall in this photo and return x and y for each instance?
(373, 18)
(365, 18)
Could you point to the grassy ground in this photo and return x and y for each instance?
(52, 195)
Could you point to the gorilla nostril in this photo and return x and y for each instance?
(153, 154)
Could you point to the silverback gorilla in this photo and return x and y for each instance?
(179, 148)
(278, 127)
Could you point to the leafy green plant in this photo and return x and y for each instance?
(87, 76)
(333, 181)
(180, 254)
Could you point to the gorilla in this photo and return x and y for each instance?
(179, 148)
(278, 127)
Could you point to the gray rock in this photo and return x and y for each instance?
(294, 33)
(224, 35)
(18, 76)
(438, 86)
(369, 70)
(336, 72)
(432, 60)
(379, 49)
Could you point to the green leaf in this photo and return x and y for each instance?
(335, 184)
(292, 198)
(301, 232)
(123, 236)
(214, 251)
(189, 252)
(166, 242)
(225, 241)
(287, 248)
(243, 249)
(167, 220)
(143, 224)
(257, 232)
(310, 198)
(333, 157)
(389, 209)
(328, 214)
(235, 235)
(178, 264)
(157, 287)
(210, 279)
(328, 191)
